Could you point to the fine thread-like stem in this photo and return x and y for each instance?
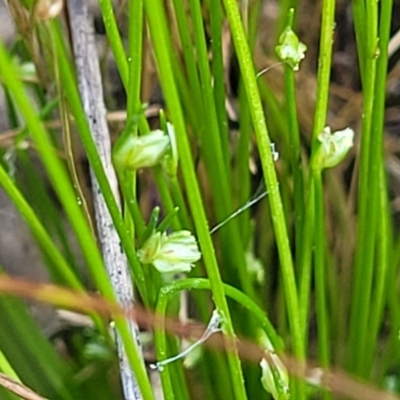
(204, 284)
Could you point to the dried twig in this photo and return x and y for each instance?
(90, 87)
(18, 388)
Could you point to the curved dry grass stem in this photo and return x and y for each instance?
(335, 381)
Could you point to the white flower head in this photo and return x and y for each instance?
(142, 151)
(290, 50)
(333, 147)
(170, 254)
(274, 377)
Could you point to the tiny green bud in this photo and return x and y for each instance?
(274, 378)
(290, 50)
(142, 151)
(170, 254)
(332, 148)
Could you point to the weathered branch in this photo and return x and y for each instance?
(90, 88)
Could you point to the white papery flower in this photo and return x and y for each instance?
(170, 254)
(333, 147)
(142, 151)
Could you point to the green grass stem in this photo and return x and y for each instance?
(264, 146)
(159, 34)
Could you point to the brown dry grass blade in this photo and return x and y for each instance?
(337, 382)
(18, 389)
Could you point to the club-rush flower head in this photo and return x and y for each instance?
(142, 151)
(274, 376)
(170, 254)
(332, 148)
(290, 50)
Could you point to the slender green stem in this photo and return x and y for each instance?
(159, 33)
(305, 258)
(216, 20)
(295, 154)
(368, 200)
(264, 145)
(320, 279)
(115, 41)
(63, 187)
(75, 104)
(134, 58)
(324, 68)
(167, 292)
(324, 63)
(63, 272)
(242, 160)
(216, 159)
(384, 243)
(294, 149)
(370, 176)
(385, 239)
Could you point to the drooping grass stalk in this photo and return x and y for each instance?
(368, 199)
(159, 34)
(167, 292)
(231, 292)
(264, 146)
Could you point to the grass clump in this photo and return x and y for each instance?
(303, 266)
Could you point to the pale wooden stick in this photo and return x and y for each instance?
(90, 87)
